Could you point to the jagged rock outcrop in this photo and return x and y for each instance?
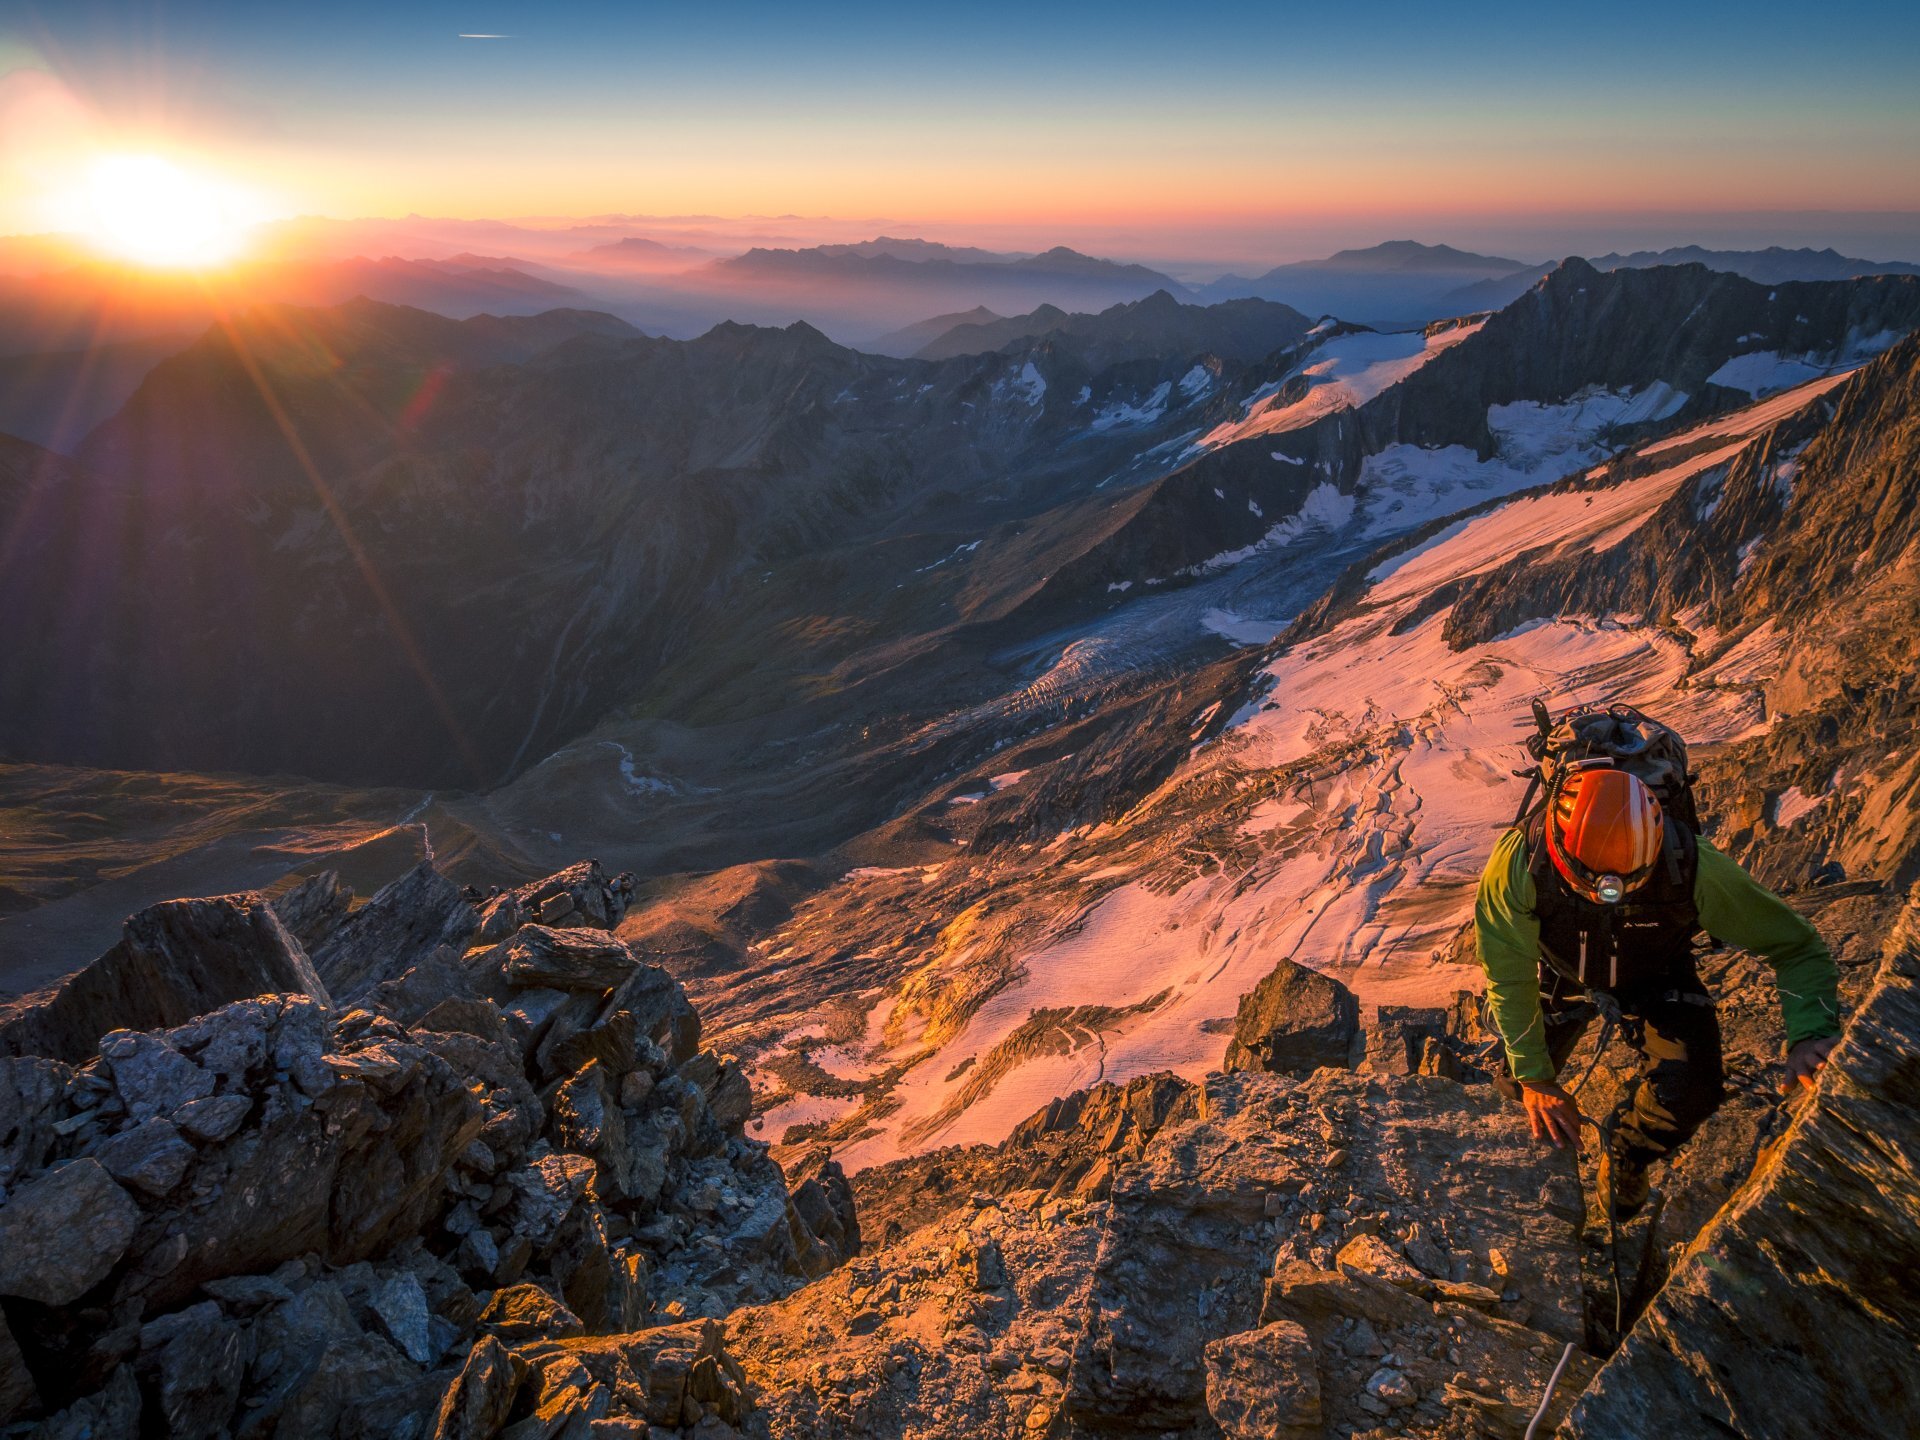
(314, 908)
(1023, 1313)
(178, 959)
(1293, 1022)
(1793, 1312)
(398, 928)
(494, 1192)
(1067, 1149)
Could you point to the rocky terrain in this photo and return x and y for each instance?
(421, 1168)
(465, 1173)
(1028, 987)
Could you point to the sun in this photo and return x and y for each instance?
(149, 210)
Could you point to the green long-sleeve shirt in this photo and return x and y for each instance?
(1733, 907)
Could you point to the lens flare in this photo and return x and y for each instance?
(147, 209)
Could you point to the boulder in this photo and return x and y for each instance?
(539, 956)
(1264, 1384)
(151, 1076)
(1370, 1255)
(680, 1374)
(195, 1360)
(580, 896)
(826, 1229)
(476, 1404)
(213, 1117)
(175, 960)
(1293, 1022)
(62, 1232)
(400, 1307)
(528, 1312)
(150, 1158)
(1406, 1040)
(33, 1100)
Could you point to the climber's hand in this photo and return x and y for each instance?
(1804, 1062)
(1551, 1113)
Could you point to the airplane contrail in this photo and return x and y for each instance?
(464, 36)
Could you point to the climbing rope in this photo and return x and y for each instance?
(1553, 1383)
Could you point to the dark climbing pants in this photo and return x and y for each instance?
(1676, 1030)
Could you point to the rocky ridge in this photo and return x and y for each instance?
(505, 1188)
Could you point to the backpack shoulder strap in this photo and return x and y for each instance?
(1682, 855)
(1538, 861)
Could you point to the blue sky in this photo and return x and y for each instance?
(1164, 118)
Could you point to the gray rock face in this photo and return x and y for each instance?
(1293, 1022)
(32, 1101)
(569, 960)
(176, 960)
(579, 897)
(313, 909)
(400, 926)
(150, 1158)
(62, 1232)
(1264, 1385)
(152, 1077)
(18, 1393)
(1794, 1312)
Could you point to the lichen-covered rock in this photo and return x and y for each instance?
(1265, 1384)
(63, 1231)
(565, 959)
(1293, 1022)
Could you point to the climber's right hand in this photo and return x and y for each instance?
(1551, 1113)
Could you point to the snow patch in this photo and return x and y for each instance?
(1764, 372)
(1240, 629)
(1327, 507)
(1791, 804)
(1031, 384)
(1145, 413)
(1341, 374)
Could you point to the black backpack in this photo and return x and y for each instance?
(1634, 742)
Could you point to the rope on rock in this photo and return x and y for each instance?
(1553, 1383)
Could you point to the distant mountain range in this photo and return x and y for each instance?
(1399, 281)
(614, 520)
(636, 252)
(1772, 266)
(1404, 282)
(845, 289)
(1157, 325)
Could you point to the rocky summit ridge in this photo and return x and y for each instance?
(471, 1172)
(502, 1186)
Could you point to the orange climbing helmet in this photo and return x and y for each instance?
(1604, 830)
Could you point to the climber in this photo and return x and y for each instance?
(1599, 894)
